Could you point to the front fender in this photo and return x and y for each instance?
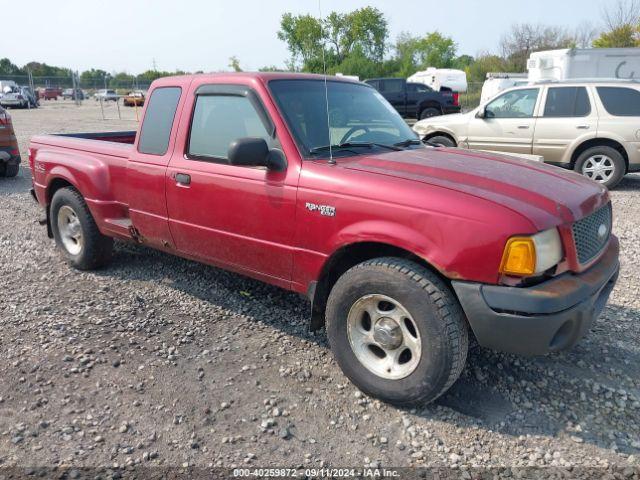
(393, 234)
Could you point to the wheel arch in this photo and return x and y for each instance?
(599, 142)
(348, 256)
(440, 133)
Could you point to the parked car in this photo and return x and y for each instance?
(132, 99)
(7, 83)
(9, 153)
(415, 100)
(401, 248)
(106, 95)
(50, 93)
(588, 126)
(69, 94)
(18, 97)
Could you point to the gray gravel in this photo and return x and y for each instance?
(162, 361)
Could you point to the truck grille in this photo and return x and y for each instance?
(592, 233)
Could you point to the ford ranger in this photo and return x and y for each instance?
(316, 184)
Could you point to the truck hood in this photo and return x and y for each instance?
(546, 195)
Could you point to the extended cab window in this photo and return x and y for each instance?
(567, 102)
(620, 101)
(156, 127)
(218, 120)
(513, 104)
(392, 86)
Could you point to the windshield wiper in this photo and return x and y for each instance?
(407, 142)
(351, 145)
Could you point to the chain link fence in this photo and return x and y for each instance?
(471, 98)
(122, 86)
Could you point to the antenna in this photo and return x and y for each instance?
(326, 90)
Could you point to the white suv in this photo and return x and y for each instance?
(590, 126)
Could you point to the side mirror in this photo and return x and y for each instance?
(481, 113)
(254, 152)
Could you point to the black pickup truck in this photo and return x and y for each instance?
(415, 100)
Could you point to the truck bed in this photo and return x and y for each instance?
(111, 144)
(128, 137)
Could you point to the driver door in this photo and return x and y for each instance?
(508, 123)
(241, 218)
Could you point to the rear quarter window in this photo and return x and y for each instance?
(620, 101)
(158, 120)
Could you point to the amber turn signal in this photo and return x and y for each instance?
(519, 257)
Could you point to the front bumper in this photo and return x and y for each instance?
(544, 318)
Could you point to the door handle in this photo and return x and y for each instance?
(523, 127)
(583, 127)
(183, 179)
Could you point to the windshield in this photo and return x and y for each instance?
(357, 114)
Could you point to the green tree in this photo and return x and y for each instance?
(432, 50)
(234, 64)
(314, 43)
(622, 36)
(9, 68)
(484, 63)
(304, 36)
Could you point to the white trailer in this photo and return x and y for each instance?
(498, 81)
(568, 63)
(436, 78)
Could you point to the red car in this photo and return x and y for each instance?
(50, 93)
(9, 153)
(318, 186)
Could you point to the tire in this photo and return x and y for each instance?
(607, 156)
(429, 112)
(90, 250)
(425, 305)
(11, 171)
(442, 140)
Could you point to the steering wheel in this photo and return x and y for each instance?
(351, 131)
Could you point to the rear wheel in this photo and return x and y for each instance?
(11, 170)
(430, 112)
(397, 331)
(76, 233)
(602, 164)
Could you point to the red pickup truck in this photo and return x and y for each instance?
(318, 186)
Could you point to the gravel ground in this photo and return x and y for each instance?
(162, 361)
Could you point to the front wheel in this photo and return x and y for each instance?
(76, 233)
(603, 164)
(442, 141)
(397, 331)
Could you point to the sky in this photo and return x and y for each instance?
(129, 35)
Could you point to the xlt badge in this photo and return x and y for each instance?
(326, 210)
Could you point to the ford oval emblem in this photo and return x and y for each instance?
(602, 231)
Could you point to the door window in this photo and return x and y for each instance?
(567, 102)
(417, 88)
(513, 104)
(624, 102)
(217, 121)
(156, 128)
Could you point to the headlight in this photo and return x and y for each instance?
(531, 255)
